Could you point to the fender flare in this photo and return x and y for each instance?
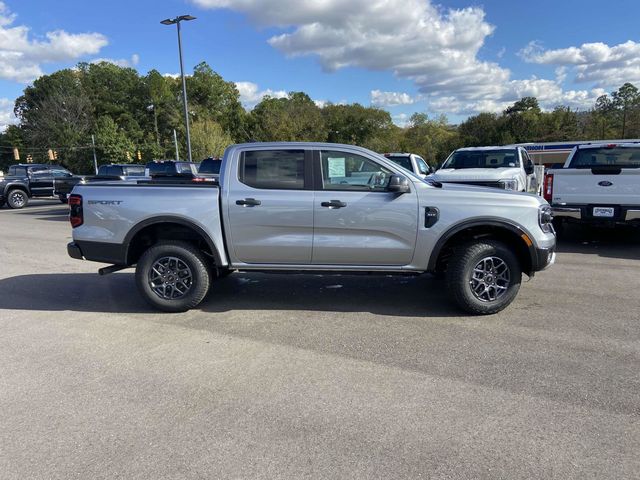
(512, 227)
(170, 219)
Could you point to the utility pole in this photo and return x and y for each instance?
(176, 21)
(175, 141)
(95, 159)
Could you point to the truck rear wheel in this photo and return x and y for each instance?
(17, 198)
(483, 277)
(173, 276)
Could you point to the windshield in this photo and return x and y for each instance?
(620, 157)
(136, 171)
(403, 161)
(502, 158)
(161, 168)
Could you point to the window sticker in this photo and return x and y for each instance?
(337, 167)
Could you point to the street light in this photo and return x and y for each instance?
(176, 21)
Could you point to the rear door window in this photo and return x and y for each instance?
(273, 169)
(18, 171)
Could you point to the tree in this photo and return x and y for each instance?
(208, 139)
(213, 98)
(294, 118)
(355, 124)
(481, 129)
(626, 100)
(113, 143)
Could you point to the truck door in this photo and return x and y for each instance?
(41, 182)
(270, 207)
(356, 220)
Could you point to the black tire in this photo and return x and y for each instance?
(460, 276)
(17, 198)
(192, 258)
(63, 199)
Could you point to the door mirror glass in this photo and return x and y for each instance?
(398, 184)
(529, 169)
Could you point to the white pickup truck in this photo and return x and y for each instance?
(599, 184)
(509, 168)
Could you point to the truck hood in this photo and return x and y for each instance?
(475, 174)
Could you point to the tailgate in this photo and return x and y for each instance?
(583, 186)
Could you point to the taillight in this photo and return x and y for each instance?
(75, 210)
(548, 187)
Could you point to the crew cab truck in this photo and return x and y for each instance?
(598, 184)
(509, 168)
(312, 207)
(29, 180)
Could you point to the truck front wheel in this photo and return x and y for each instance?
(17, 198)
(173, 276)
(483, 276)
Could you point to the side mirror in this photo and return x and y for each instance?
(398, 184)
(529, 169)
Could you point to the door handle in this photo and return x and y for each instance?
(248, 202)
(333, 204)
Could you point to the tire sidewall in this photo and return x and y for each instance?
(199, 270)
(464, 293)
(10, 195)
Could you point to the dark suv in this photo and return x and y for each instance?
(29, 180)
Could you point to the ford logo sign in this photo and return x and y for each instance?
(605, 183)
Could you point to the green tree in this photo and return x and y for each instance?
(481, 129)
(113, 143)
(208, 139)
(294, 118)
(355, 124)
(626, 101)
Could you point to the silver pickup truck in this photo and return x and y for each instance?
(301, 207)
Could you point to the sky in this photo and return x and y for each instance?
(452, 57)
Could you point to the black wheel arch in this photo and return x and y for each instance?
(132, 247)
(492, 227)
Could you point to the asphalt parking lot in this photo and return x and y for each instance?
(312, 376)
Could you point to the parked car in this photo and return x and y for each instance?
(297, 207)
(29, 180)
(598, 184)
(509, 168)
(112, 172)
(412, 162)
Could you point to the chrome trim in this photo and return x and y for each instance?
(633, 215)
(567, 212)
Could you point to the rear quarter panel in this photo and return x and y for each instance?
(112, 211)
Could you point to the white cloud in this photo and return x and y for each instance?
(436, 48)
(390, 99)
(251, 95)
(596, 63)
(6, 114)
(122, 62)
(21, 56)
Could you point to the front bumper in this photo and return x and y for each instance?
(545, 257)
(584, 213)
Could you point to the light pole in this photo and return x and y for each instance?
(176, 21)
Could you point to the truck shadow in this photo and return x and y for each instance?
(415, 296)
(58, 213)
(622, 242)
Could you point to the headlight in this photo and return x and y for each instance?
(509, 184)
(545, 218)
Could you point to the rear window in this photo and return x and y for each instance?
(211, 165)
(483, 159)
(273, 169)
(620, 157)
(161, 168)
(403, 160)
(17, 171)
